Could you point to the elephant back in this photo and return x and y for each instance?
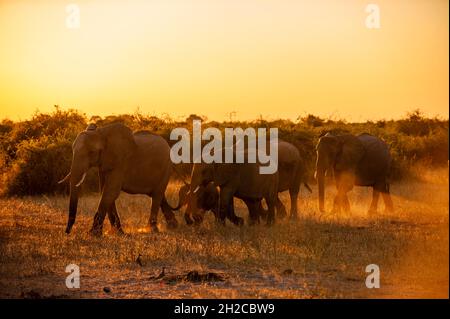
(376, 162)
(288, 164)
(149, 140)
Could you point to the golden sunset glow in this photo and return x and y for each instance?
(278, 59)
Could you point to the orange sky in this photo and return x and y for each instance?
(278, 59)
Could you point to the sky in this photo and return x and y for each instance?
(258, 58)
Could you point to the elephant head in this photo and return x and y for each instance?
(204, 198)
(107, 148)
(202, 174)
(336, 154)
(203, 194)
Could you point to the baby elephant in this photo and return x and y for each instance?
(207, 199)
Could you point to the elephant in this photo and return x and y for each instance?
(291, 170)
(241, 180)
(136, 163)
(362, 160)
(292, 174)
(204, 199)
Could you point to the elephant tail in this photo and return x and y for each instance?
(307, 187)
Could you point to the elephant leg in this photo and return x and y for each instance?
(253, 211)
(231, 214)
(338, 198)
(97, 226)
(156, 204)
(337, 203)
(347, 186)
(188, 218)
(341, 202)
(103, 208)
(271, 211)
(168, 214)
(293, 195)
(114, 219)
(374, 203)
(345, 203)
(281, 210)
(389, 205)
(223, 205)
(188, 210)
(271, 214)
(262, 213)
(198, 216)
(215, 211)
(110, 192)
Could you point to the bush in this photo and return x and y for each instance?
(415, 124)
(312, 120)
(36, 153)
(65, 123)
(38, 166)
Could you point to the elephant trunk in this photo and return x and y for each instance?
(191, 201)
(320, 175)
(183, 194)
(322, 166)
(72, 207)
(77, 176)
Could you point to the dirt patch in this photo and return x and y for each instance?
(194, 277)
(315, 257)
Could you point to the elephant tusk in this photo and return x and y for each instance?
(81, 181)
(64, 179)
(196, 190)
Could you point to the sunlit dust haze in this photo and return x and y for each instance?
(276, 59)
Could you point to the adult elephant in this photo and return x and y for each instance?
(291, 174)
(136, 163)
(362, 160)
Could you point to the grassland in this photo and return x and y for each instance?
(319, 256)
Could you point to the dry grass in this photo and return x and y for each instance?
(320, 256)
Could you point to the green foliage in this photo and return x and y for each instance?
(38, 166)
(59, 123)
(36, 153)
(312, 120)
(415, 124)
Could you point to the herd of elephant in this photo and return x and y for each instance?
(139, 163)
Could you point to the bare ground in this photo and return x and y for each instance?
(318, 256)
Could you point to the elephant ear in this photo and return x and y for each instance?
(119, 144)
(224, 172)
(210, 197)
(352, 151)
